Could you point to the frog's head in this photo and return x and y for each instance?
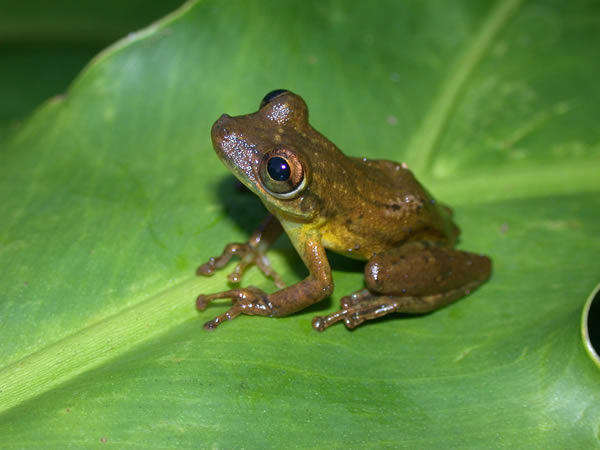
(266, 151)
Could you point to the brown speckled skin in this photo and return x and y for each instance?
(367, 209)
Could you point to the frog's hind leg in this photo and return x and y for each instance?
(417, 278)
(364, 305)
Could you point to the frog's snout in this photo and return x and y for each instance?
(221, 122)
(219, 128)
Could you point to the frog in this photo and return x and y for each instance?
(372, 210)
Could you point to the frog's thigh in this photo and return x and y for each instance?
(422, 269)
(415, 279)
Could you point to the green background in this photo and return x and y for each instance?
(111, 195)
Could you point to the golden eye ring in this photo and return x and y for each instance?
(282, 173)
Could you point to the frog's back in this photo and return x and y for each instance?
(387, 208)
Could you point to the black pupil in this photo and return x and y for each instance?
(279, 169)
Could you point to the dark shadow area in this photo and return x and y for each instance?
(247, 211)
(593, 323)
(245, 208)
(344, 264)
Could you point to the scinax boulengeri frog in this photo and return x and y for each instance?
(373, 210)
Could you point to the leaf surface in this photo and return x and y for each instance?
(112, 195)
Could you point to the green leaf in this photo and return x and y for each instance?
(112, 195)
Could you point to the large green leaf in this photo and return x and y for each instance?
(112, 195)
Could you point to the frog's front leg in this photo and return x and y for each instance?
(417, 278)
(254, 301)
(251, 252)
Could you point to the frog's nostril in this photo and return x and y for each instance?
(220, 126)
(221, 121)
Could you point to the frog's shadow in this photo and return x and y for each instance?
(247, 211)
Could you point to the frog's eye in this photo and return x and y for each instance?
(271, 95)
(282, 173)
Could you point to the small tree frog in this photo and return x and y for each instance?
(372, 210)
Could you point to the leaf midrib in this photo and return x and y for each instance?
(422, 147)
(95, 344)
(517, 183)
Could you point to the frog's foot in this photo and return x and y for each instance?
(251, 301)
(359, 307)
(248, 255)
(364, 305)
(351, 305)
